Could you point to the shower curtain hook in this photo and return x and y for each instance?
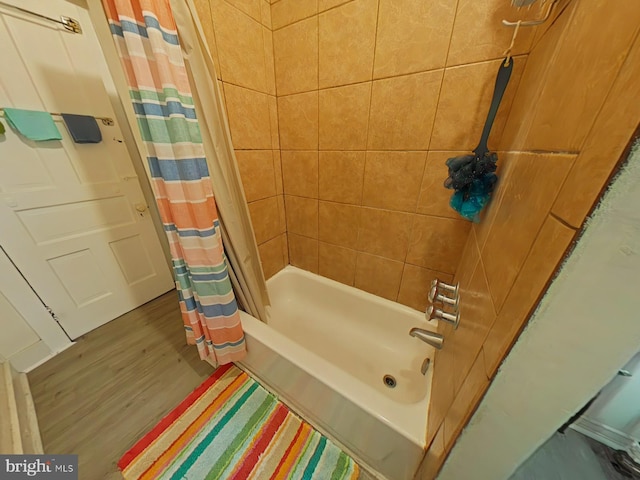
(507, 53)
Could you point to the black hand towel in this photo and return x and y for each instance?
(83, 128)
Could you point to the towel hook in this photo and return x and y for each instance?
(507, 53)
(532, 23)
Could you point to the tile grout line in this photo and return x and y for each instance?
(318, 142)
(277, 151)
(318, 12)
(358, 258)
(259, 22)
(485, 60)
(433, 124)
(286, 256)
(370, 207)
(375, 255)
(364, 167)
(264, 58)
(456, 151)
(217, 52)
(390, 77)
(513, 282)
(266, 85)
(444, 71)
(424, 169)
(594, 122)
(248, 88)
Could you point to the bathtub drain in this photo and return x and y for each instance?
(389, 381)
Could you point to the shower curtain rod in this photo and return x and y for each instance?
(70, 24)
(105, 120)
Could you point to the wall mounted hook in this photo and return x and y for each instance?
(533, 23)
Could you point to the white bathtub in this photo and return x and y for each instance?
(325, 351)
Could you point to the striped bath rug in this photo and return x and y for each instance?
(230, 428)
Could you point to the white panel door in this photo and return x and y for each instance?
(69, 213)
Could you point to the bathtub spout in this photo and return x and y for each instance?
(434, 339)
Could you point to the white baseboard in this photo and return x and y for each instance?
(34, 355)
(28, 358)
(602, 433)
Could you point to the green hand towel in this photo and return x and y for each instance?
(1, 128)
(36, 126)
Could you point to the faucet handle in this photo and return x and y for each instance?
(436, 296)
(433, 292)
(445, 286)
(435, 313)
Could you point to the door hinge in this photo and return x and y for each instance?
(52, 313)
(55, 318)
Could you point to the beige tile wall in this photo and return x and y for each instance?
(342, 113)
(571, 121)
(240, 38)
(373, 97)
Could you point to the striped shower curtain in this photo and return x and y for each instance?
(145, 35)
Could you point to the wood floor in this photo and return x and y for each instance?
(97, 398)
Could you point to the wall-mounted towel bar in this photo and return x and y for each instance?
(70, 24)
(108, 121)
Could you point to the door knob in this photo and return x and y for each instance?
(141, 208)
